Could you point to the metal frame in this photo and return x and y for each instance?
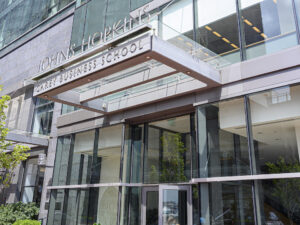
(192, 181)
(188, 189)
(144, 201)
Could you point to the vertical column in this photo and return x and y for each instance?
(203, 164)
(255, 190)
(49, 164)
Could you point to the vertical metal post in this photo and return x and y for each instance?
(121, 173)
(252, 161)
(122, 152)
(242, 40)
(195, 19)
(296, 18)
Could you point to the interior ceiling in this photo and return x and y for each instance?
(177, 124)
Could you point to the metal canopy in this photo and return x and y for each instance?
(125, 67)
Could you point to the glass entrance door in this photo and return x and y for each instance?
(167, 205)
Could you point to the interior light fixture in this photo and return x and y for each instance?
(208, 28)
(226, 40)
(233, 45)
(148, 57)
(180, 38)
(217, 34)
(256, 29)
(248, 22)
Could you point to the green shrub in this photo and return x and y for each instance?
(11, 213)
(27, 222)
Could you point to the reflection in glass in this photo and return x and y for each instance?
(174, 209)
(130, 206)
(228, 203)
(80, 166)
(151, 207)
(222, 137)
(32, 182)
(269, 26)
(276, 131)
(218, 28)
(280, 201)
(60, 172)
(20, 16)
(168, 156)
(109, 154)
(42, 119)
(180, 11)
(83, 206)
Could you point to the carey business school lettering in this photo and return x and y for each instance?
(98, 38)
(95, 64)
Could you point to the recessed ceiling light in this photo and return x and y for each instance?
(148, 57)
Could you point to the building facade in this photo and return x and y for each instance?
(155, 111)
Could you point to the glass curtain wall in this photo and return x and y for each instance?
(268, 26)
(233, 30)
(84, 158)
(276, 138)
(217, 28)
(89, 157)
(164, 152)
(167, 158)
(17, 17)
(160, 151)
(223, 145)
(83, 206)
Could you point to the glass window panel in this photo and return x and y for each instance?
(64, 3)
(78, 26)
(107, 205)
(55, 213)
(42, 119)
(82, 158)
(130, 206)
(31, 172)
(276, 134)
(222, 137)
(178, 17)
(168, 155)
(268, 25)
(68, 108)
(174, 209)
(280, 201)
(60, 173)
(137, 156)
(226, 203)
(109, 153)
(28, 193)
(116, 10)
(21, 16)
(94, 23)
(217, 28)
